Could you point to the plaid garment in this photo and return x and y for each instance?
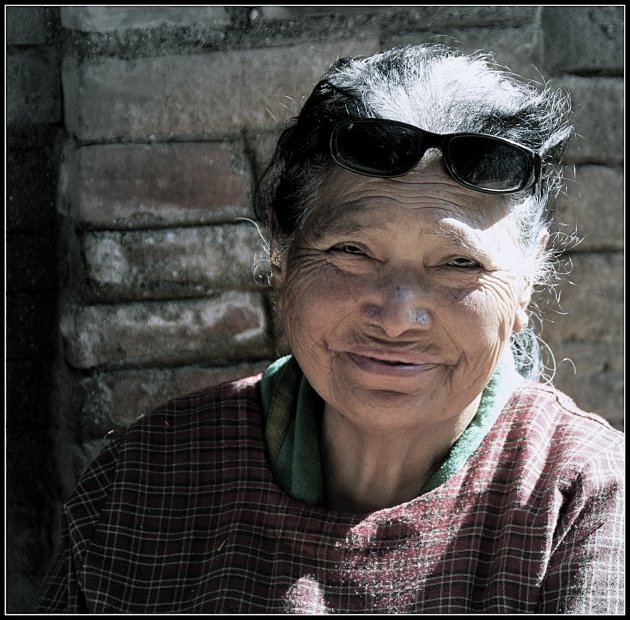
(181, 514)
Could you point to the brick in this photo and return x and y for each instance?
(26, 25)
(112, 400)
(31, 263)
(519, 49)
(74, 459)
(592, 373)
(395, 17)
(300, 12)
(584, 38)
(591, 300)
(593, 207)
(598, 116)
(111, 18)
(198, 94)
(149, 185)
(180, 262)
(33, 88)
(262, 145)
(226, 328)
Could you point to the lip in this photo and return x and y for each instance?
(391, 364)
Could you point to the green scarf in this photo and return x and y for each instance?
(293, 412)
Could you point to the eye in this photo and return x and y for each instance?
(348, 248)
(463, 263)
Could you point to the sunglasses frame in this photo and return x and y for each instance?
(440, 141)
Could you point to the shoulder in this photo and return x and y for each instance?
(242, 394)
(174, 450)
(171, 438)
(175, 436)
(198, 413)
(551, 409)
(548, 426)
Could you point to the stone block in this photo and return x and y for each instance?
(592, 373)
(26, 25)
(153, 185)
(225, 328)
(33, 93)
(261, 144)
(285, 13)
(591, 300)
(592, 208)
(408, 16)
(584, 39)
(73, 458)
(178, 262)
(598, 116)
(116, 18)
(197, 94)
(112, 400)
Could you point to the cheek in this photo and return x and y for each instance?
(313, 303)
(487, 312)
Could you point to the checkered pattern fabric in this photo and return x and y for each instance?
(181, 514)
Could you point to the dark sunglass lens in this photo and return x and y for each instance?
(489, 164)
(376, 148)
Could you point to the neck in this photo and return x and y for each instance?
(370, 469)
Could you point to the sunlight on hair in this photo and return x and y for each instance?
(261, 267)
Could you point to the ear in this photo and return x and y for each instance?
(276, 255)
(521, 317)
(278, 266)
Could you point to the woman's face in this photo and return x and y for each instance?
(401, 294)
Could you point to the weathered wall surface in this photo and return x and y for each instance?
(134, 134)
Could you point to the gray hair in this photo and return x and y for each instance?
(441, 90)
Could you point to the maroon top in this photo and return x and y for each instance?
(180, 513)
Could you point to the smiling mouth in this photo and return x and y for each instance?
(394, 367)
(390, 362)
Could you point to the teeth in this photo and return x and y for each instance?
(391, 363)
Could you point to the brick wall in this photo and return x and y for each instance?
(129, 252)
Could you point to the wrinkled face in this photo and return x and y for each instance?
(401, 294)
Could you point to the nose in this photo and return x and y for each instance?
(399, 307)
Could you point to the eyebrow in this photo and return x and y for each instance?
(458, 237)
(343, 228)
(345, 224)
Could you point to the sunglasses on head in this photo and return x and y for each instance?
(385, 148)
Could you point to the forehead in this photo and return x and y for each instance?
(427, 198)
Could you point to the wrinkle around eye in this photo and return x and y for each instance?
(350, 249)
(461, 262)
(359, 261)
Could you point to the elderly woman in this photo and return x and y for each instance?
(404, 458)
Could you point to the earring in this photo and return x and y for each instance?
(522, 320)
